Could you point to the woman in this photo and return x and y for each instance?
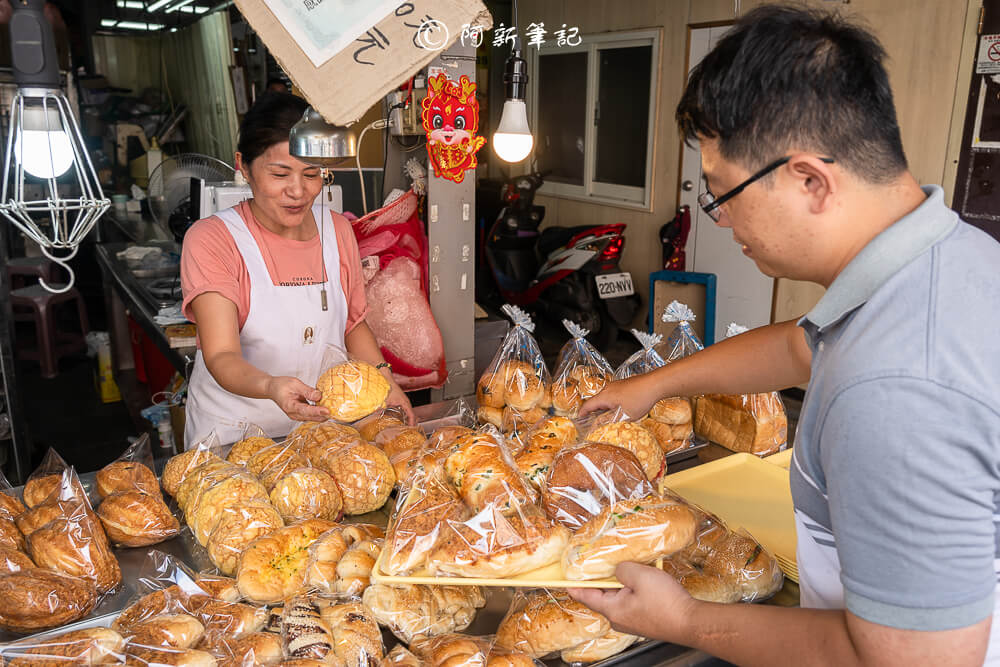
(269, 284)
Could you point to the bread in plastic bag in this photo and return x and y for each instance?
(587, 477)
(378, 421)
(10, 505)
(92, 646)
(541, 623)
(256, 649)
(178, 467)
(581, 372)
(178, 631)
(238, 526)
(363, 472)
(274, 567)
(541, 444)
(142, 656)
(415, 611)
(315, 438)
(47, 479)
(754, 423)
(517, 376)
(307, 493)
(467, 651)
(36, 599)
(400, 656)
(721, 565)
(614, 427)
(13, 560)
(640, 530)
(137, 519)
(132, 471)
(341, 559)
(217, 492)
(401, 444)
(351, 389)
(252, 440)
(332, 631)
(271, 463)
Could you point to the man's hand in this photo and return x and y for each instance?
(652, 604)
(634, 396)
(292, 395)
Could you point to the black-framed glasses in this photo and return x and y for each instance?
(710, 204)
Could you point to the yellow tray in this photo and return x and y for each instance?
(550, 576)
(781, 459)
(747, 493)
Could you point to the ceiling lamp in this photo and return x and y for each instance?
(317, 142)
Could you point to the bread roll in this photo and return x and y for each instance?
(178, 631)
(324, 436)
(169, 600)
(257, 649)
(75, 510)
(549, 621)
(137, 519)
(487, 415)
(126, 476)
(207, 507)
(590, 380)
(70, 547)
(542, 444)
(12, 560)
(306, 634)
(39, 489)
(140, 656)
(639, 530)
(279, 457)
(220, 588)
(484, 476)
(354, 569)
(372, 426)
(452, 650)
(494, 545)
(415, 528)
(357, 640)
(92, 646)
(523, 388)
(490, 391)
(307, 493)
(588, 477)
(637, 440)
(352, 390)
(247, 447)
(364, 476)
(204, 476)
(512, 420)
(10, 506)
(396, 440)
(10, 536)
(179, 466)
(273, 567)
(755, 423)
(665, 434)
(416, 612)
(610, 644)
(239, 526)
(35, 599)
(227, 619)
(675, 410)
(400, 656)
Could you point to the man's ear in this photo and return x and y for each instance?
(815, 179)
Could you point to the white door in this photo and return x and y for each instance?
(743, 293)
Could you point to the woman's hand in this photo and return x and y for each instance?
(398, 398)
(292, 395)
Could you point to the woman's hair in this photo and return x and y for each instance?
(268, 122)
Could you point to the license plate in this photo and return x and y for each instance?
(611, 285)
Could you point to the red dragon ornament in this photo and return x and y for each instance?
(451, 119)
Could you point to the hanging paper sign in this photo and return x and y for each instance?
(451, 119)
(988, 58)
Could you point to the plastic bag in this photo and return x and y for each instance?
(132, 471)
(352, 389)
(314, 439)
(614, 427)
(342, 558)
(587, 477)
(581, 372)
(645, 359)
(252, 440)
(238, 526)
(415, 611)
(47, 479)
(71, 541)
(93, 646)
(635, 529)
(541, 444)
(274, 567)
(683, 341)
(721, 565)
(378, 421)
(363, 473)
(754, 423)
(178, 467)
(227, 486)
(527, 625)
(271, 463)
(468, 651)
(307, 493)
(517, 376)
(37, 599)
(331, 630)
(10, 504)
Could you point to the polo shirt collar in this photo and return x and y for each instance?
(884, 256)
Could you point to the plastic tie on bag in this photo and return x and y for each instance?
(647, 340)
(735, 329)
(519, 317)
(677, 312)
(574, 329)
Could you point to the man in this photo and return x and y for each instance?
(895, 469)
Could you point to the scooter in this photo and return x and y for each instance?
(561, 272)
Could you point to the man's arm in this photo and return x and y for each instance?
(764, 359)
(768, 635)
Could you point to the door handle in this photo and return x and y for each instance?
(687, 186)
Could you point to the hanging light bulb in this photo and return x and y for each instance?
(44, 141)
(512, 142)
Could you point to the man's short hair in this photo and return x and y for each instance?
(788, 77)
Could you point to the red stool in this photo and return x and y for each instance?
(39, 267)
(52, 344)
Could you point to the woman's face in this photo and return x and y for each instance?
(284, 187)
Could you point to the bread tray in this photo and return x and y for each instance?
(550, 576)
(749, 494)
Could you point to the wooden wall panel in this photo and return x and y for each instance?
(924, 42)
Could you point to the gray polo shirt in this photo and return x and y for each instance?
(896, 467)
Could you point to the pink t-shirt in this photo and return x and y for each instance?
(211, 262)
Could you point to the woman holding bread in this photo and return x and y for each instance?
(270, 283)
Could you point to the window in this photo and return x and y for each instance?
(593, 113)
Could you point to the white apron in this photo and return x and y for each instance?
(285, 334)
